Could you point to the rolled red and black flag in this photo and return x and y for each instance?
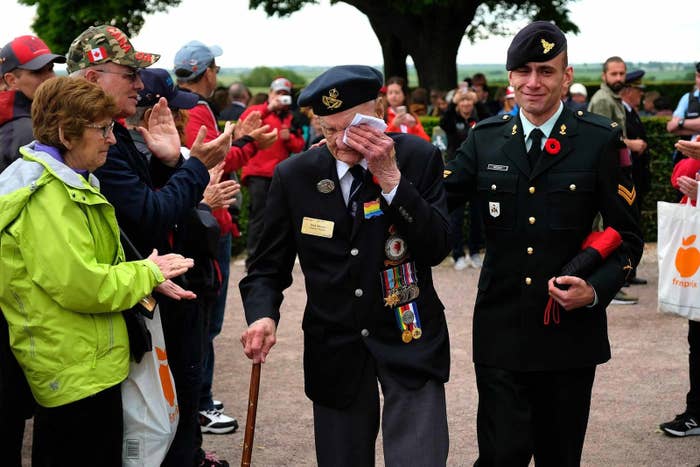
(595, 248)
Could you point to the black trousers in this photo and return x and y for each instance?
(16, 402)
(257, 194)
(86, 433)
(185, 329)
(693, 397)
(524, 414)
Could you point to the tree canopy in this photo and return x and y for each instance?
(430, 31)
(58, 22)
(262, 76)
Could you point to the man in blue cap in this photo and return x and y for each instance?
(541, 177)
(366, 215)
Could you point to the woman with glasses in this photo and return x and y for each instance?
(63, 279)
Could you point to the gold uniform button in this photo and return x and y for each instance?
(531, 220)
(572, 187)
(530, 250)
(528, 281)
(531, 190)
(493, 187)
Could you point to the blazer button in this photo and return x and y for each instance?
(354, 252)
(528, 281)
(530, 250)
(531, 190)
(531, 220)
(493, 187)
(358, 292)
(364, 333)
(572, 187)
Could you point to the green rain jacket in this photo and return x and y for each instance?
(63, 280)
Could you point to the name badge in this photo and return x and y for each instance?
(317, 227)
(497, 167)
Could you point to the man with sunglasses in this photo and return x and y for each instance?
(25, 63)
(152, 197)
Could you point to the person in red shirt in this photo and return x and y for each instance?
(257, 173)
(399, 119)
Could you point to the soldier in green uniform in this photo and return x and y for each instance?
(541, 177)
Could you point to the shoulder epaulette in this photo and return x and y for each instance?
(493, 121)
(596, 119)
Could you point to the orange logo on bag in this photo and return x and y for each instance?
(687, 259)
(165, 380)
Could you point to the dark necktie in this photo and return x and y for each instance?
(536, 149)
(358, 174)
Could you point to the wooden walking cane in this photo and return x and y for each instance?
(250, 419)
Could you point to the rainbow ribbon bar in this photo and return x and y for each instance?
(401, 322)
(372, 209)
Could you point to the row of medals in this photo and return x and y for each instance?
(404, 293)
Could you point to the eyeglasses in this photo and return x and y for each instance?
(130, 76)
(216, 68)
(105, 129)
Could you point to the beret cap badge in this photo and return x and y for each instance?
(546, 46)
(331, 101)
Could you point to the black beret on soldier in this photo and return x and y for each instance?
(340, 88)
(537, 42)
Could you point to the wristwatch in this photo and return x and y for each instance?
(681, 122)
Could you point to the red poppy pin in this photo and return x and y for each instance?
(552, 146)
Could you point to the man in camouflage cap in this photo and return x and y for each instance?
(151, 198)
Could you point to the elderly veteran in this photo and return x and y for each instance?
(63, 279)
(541, 176)
(366, 214)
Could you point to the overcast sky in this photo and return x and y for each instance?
(332, 35)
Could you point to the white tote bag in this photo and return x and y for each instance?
(150, 405)
(678, 250)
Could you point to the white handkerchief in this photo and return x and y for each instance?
(374, 122)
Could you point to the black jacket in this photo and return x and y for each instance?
(535, 224)
(15, 126)
(345, 323)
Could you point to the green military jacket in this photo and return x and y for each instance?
(535, 222)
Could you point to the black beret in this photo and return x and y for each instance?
(634, 79)
(340, 88)
(537, 42)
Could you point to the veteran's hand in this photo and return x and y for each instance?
(172, 264)
(689, 148)
(258, 339)
(214, 151)
(579, 294)
(378, 149)
(162, 137)
(172, 290)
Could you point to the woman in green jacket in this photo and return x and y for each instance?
(63, 279)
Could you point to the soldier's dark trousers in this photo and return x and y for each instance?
(524, 414)
(693, 397)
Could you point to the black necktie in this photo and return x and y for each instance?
(536, 149)
(358, 174)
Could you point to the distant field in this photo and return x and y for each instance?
(496, 74)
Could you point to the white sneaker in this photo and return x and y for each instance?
(218, 405)
(461, 263)
(476, 260)
(213, 421)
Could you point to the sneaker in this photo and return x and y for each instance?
(461, 263)
(210, 460)
(218, 405)
(213, 421)
(623, 298)
(683, 425)
(476, 260)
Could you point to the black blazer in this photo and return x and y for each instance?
(345, 323)
(535, 223)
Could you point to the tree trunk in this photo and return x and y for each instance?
(431, 37)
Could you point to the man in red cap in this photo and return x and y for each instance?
(25, 63)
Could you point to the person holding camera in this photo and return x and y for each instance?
(398, 118)
(257, 173)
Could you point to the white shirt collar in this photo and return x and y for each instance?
(343, 168)
(546, 127)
